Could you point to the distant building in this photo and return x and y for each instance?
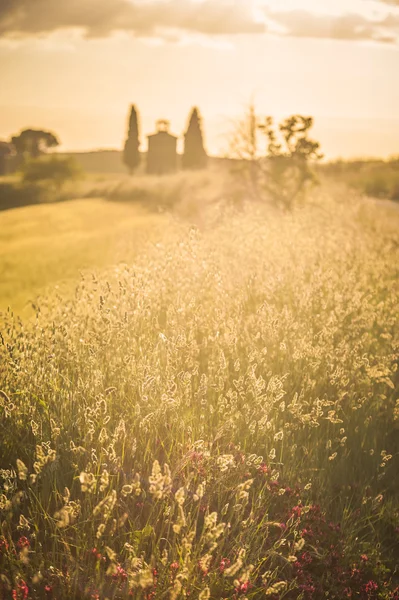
(7, 153)
(162, 151)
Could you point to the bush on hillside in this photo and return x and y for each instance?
(54, 171)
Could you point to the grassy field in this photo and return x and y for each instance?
(375, 178)
(49, 245)
(218, 418)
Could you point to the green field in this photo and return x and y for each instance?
(46, 247)
(213, 415)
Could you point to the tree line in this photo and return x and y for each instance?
(31, 144)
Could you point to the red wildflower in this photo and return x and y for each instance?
(364, 557)
(120, 574)
(3, 545)
(243, 586)
(263, 468)
(96, 554)
(23, 542)
(21, 592)
(296, 511)
(224, 564)
(371, 587)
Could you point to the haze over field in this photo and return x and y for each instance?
(335, 60)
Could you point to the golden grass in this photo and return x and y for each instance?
(50, 244)
(217, 419)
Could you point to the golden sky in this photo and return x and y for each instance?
(74, 66)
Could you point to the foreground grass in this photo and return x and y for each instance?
(50, 244)
(217, 421)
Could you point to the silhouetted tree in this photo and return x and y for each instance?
(275, 161)
(131, 153)
(33, 142)
(194, 156)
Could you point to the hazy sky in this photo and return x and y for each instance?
(74, 66)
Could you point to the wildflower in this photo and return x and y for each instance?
(224, 564)
(96, 554)
(242, 586)
(371, 587)
(21, 592)
(296, 511)
(3, 545)
(119, 574)
(263, 468)
(364, 558)
(23, 542)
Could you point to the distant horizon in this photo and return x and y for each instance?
(368, 134)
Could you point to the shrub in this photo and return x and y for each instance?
(52, 170)
(275, 162)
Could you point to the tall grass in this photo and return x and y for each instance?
(218, 420)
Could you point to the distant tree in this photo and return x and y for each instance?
(275, 162)
(32, 143)
(131, 153)
(194, 156)
(53, 170)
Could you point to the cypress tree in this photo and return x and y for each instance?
(194, 156)
(131, 154)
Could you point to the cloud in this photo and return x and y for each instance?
(100, 18)
(300, 23)
(169, 19)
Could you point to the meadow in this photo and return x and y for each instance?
(51, 244)
(95, 222)
(213, 413)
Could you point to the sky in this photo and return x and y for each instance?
(75, 66)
